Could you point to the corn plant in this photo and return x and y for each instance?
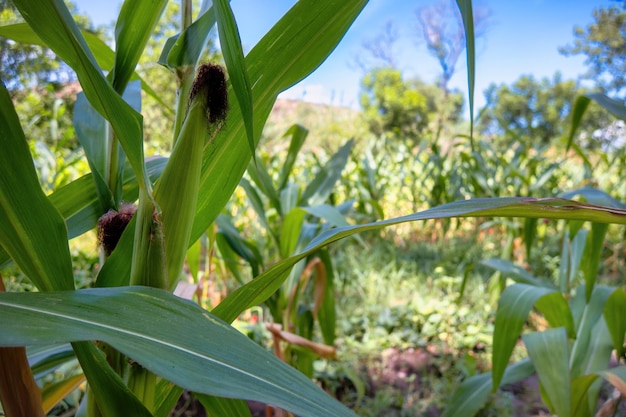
(290, 216)
(150, 344)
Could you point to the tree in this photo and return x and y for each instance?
(442, 29)
(535, 111)
(405, 109)
(604, 45)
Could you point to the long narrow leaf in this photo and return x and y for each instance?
(467, 14)
(32, 231)
(236, 64)
(261, 288)
(615, 316)
(233, 365)
(61, 35)
(133, 28)
(549, 351)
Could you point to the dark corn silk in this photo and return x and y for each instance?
(112, 224)
(211, 81)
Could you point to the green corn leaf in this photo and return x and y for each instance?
(515, 272)
(318, 190)
(556, 311)
(166, 397)
(133, 28)
(615, 107)
(261, 288)
(593, 345)
(473, 393)
(467, 14)
(124, 318)
(578, 111)
(105, 57)
(291, 50)
(513, 308)
(257, 204)
(260, 176)
(93, 134)
(615, 317)
(579, 388)
(298, 136)
(593, 255)
(223, 407)
(549, 351)
(61, 35)
(185, 49)
(236, 64)
(109, 390)
(289, 197)
(32, 231)
(327, 315)
(290, 232)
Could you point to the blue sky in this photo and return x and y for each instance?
(522, 39)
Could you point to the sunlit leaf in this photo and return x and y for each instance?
(233, 365)
(549, 351)
(32, 231)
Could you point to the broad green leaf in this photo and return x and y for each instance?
(134, 26)
(290, 51)
(298, 136)
(515, 272)
(580, 387)
(615, 107)
(261, 288)
(593, 254)
(318, 190)
(556, 311)
(549, 351)
(32, 231)
(233, 365)
(290, 232)
(592, 348)
(223, 407)
(513, 308)
(184, 49)
(61, 35)
(615, 317)
(289, 197)
(467, 14)
(473, 393)
(232, 50)
(580, 107)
